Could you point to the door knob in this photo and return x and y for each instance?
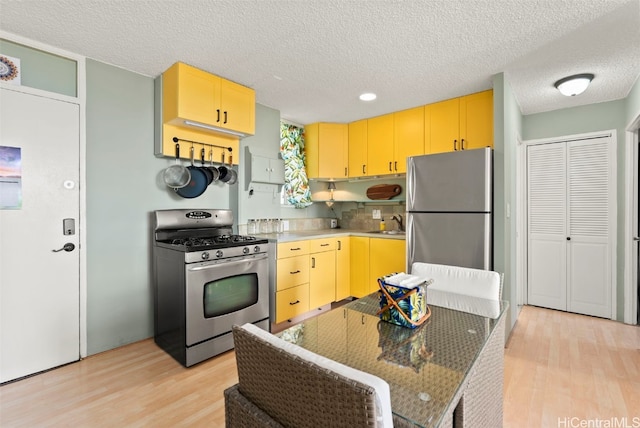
(68, 247)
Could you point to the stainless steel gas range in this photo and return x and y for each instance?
(206, 279)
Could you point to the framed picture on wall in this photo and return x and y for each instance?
(10, 69)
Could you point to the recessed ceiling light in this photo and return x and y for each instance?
(574, 85)
(368, 96)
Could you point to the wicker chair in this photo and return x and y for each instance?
(283, 385)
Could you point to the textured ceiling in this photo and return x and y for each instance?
(311, 59)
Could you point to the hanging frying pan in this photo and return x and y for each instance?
(198, 183)
(176, 176)
(232, 172)
(214, 171)
(205, 169)
(225, 174)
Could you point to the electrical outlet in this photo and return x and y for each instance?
(376, 214)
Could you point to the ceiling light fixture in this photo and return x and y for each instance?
(574, 85)
(368, 96)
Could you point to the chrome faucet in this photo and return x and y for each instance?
(398, 219)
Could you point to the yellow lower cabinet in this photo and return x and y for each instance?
(292, 302)
(292, 271)
(359, 266)
(343, 268)
(385, 256)
(322, 272)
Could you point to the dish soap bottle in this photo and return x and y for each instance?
(382, 225)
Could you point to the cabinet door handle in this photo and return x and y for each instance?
(345, 171)
(313, 262)
(339, 245)
(294, 303)
(225, 117)
(363, 167)
(395, 165)
(294, 272)
(455, 144)
(462, 144)
(218, 111)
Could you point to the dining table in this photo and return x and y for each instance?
(447, 372)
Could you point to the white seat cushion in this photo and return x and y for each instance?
(383, 396)
(455, 279)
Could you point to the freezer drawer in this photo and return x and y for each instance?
(457, 239)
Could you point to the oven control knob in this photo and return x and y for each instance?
(256, 249)
(205, 255)
(219, 253)
(245, 250)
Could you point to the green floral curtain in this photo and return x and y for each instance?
(296, 185)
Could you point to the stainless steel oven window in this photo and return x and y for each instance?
(227, 295)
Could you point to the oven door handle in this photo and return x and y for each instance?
(235, 260)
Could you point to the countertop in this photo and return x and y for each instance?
(300, 235)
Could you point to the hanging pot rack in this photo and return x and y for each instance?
(176, 139)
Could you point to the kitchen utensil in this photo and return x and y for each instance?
(232, 172)
(225, 173)
(205, 169)
(198, 183)
(384, 191)
(176, 176)
(214, 171)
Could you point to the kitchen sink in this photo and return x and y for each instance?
(388, 232)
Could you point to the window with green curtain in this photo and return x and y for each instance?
(296, 186)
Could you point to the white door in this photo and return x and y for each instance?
(546, 179)
(589, 191)
(570, 208)
(39, 288)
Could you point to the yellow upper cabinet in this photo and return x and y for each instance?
(476, 120)
(445, 125)
(358, 148)
(380, 145)
(327, 150)
(461, 123)
(408, 128)
(193, 97)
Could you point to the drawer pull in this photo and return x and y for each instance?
(324, 245)
(294, 272)
(294, 303)
(295, 249)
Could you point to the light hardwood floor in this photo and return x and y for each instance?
(557, 365)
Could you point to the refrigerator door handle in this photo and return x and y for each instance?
(411, 182)
(410, 242)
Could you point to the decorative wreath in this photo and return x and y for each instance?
(8, 70)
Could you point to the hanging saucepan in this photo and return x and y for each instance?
(214, 171)
(198, 183)
(205, 169)
(176, 176)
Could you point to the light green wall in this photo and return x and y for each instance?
(633, 103)
(123, 187)
(507, 130)
(579, 120)
(42, 70)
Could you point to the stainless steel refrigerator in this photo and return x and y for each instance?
(449, 209)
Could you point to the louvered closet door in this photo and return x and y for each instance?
(589, 263)
(570, 237)
(547, 252)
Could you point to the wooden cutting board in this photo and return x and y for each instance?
(384, 191)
